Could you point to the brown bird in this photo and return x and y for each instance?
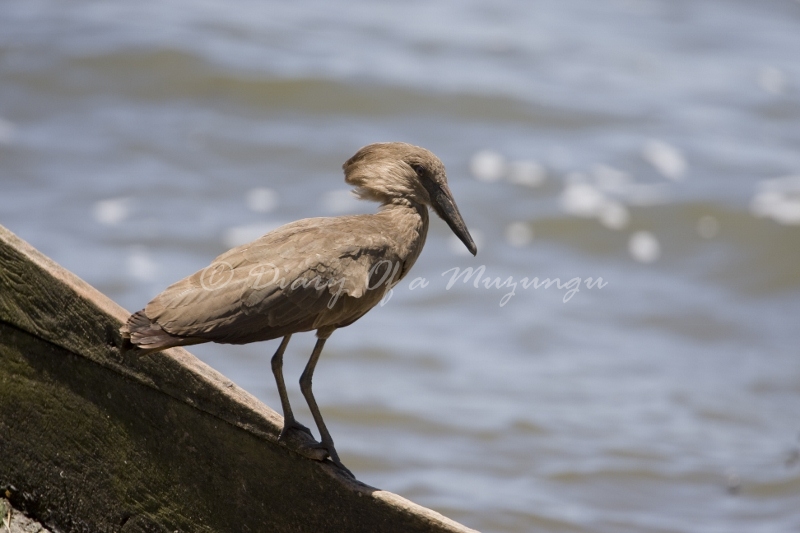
(314, 274)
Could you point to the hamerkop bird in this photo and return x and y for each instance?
(314, 274)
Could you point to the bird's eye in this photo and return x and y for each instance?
(419, 169)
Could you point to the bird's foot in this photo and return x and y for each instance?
(299, 439)
(295, 436)
(293, 425)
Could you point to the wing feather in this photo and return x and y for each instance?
(302, 276)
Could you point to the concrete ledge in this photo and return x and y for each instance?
(91, 440)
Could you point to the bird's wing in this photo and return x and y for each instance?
(299, 277)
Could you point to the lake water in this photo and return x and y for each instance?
(653, 144)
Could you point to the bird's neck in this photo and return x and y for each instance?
(408, 222)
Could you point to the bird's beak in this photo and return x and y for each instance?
(445, 207)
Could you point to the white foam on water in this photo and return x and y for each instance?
(140, 264)
(519, 234)
(582, 199)
(772, 80)
(644, 247)
(526, 173)
(778, 199)
(665, 158)
(614, 215)
(488, 165)
(261, 200)
(112, 211)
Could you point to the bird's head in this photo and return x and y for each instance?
(403, 173)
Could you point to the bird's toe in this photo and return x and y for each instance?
(333, 455)
(343, 468)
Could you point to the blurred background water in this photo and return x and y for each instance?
(651, 143)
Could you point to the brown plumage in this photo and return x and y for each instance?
(314, 274)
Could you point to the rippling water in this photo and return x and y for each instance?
(652, 144)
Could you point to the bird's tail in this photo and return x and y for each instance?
(146, 335)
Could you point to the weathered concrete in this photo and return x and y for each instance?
(91, 440)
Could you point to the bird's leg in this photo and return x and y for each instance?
(305, 386)
(289, 421)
